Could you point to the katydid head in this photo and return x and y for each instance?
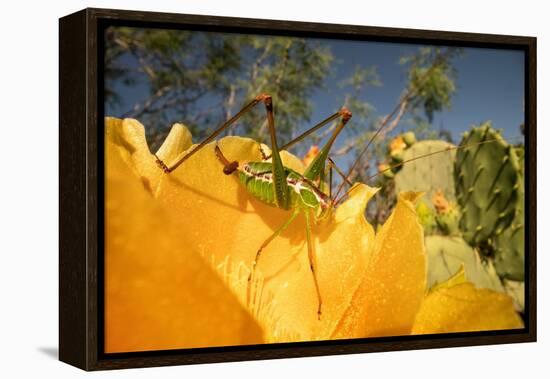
(228, 167)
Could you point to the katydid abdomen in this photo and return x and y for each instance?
(257, 177)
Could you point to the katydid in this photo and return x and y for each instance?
(279, 186)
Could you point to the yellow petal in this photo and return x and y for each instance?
(226, 223)
(128, 139)
(370, 286)
(290, 160)
(342, 246)
(159, 292)
(464, 308)
(458, 278)
(177, 141)
(394, 281)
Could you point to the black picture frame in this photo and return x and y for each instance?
(81, 189)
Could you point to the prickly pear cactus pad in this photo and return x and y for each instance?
(510, 244)
(409, 138)
(447, 254)
(430, 174)
(487, 184)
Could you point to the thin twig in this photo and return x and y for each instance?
(409, 94)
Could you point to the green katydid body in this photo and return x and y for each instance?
(257, 177)
(280, 186)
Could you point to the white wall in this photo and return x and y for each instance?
(28, 185)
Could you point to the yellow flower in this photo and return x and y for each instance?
(457, 306)
(160, 294)
(440, 203)
(397, 145)
(179, 248)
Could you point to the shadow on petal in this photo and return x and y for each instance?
(159, 292)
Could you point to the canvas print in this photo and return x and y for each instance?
(266, 189)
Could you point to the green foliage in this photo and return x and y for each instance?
(423, 129)
(429, 89)
(446, 255)
(434, 91)
(185, 70)
(358, 83)
(428, 174)
(487, 185)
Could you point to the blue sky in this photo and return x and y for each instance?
(490, 86)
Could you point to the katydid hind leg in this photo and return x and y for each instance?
(312, 263)
(317, 165)
(339, 171)
(314, 128)
(167, 168)
(280, 186)
(329, 168)
(275, 234)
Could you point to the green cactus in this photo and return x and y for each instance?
(428, 174)
(397, 156)
(487, 185)
(426, 216)
(409, 138)
(447, 254)
(388, 174)
(520, 152)
(509, 250)
(516, 290)
(510, 244)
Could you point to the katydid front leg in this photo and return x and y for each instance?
(312, 262)
(317, 165)
(277, 232)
